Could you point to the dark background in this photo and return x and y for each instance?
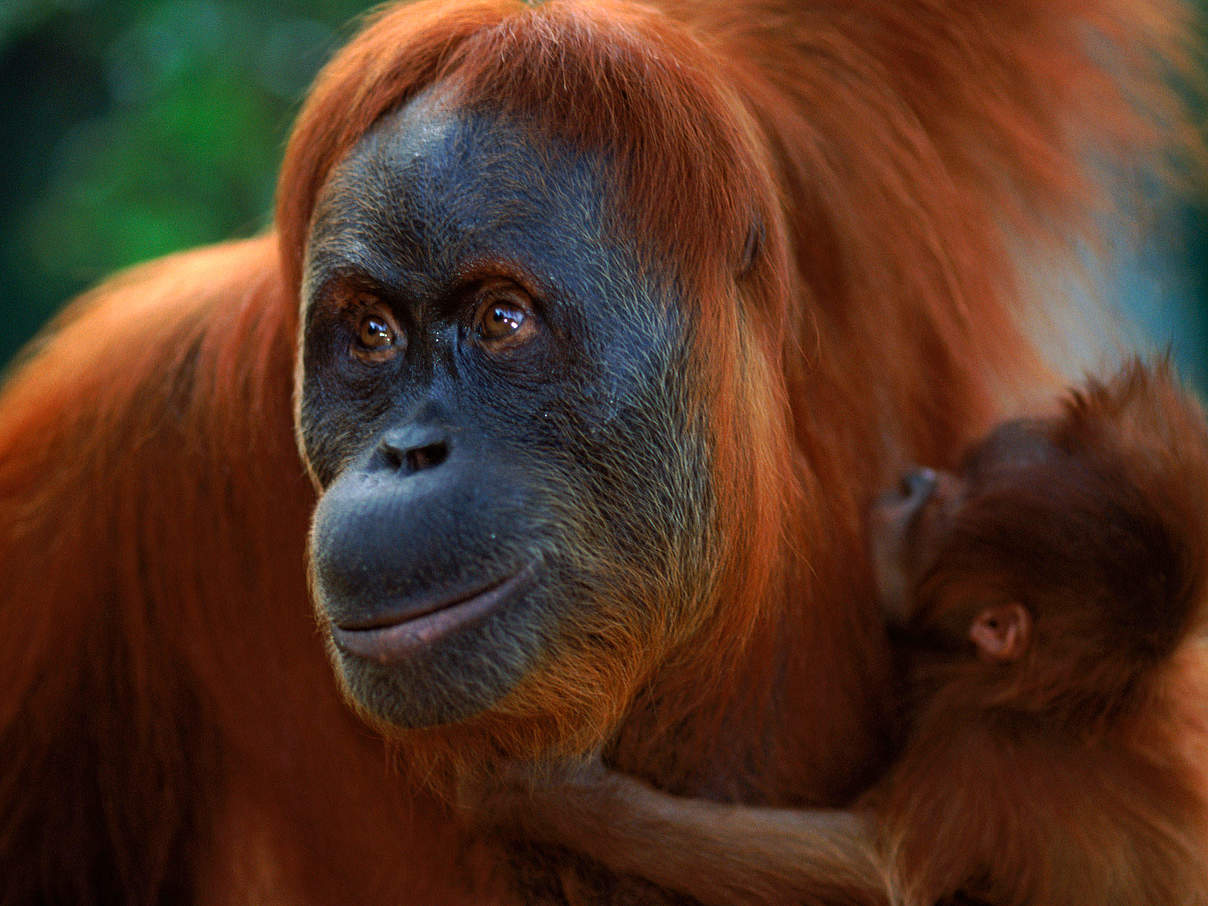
(138, 127)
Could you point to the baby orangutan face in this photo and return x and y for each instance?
(910, 527)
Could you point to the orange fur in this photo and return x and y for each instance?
(1067, 767)
(152, 510)
(1077, 774)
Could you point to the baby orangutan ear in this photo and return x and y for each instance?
(1001, 632)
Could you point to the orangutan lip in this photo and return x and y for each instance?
(398, 635)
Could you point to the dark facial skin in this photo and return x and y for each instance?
(492, 407)
(895, 537)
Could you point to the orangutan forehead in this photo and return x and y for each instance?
(433, 191)
(434, 146)
(627, 85)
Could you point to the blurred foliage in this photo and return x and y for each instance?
(139, 127)
(136, 128)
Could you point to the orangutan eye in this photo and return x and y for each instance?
(501, 321)
(377, 335)
(504, 317)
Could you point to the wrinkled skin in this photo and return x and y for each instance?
(492, 407)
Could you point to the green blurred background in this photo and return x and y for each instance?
(138, 127)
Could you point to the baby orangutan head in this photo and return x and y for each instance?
(1071, 543)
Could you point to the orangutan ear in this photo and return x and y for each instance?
(1002, 632)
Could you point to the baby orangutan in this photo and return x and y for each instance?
(1047, 602)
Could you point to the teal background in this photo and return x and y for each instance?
(133, 128)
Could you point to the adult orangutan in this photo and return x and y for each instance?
(612, 316)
